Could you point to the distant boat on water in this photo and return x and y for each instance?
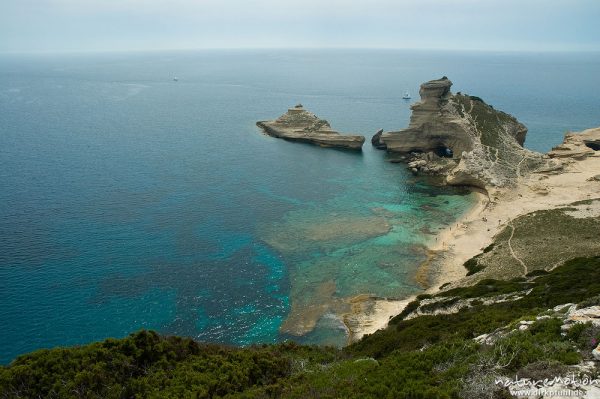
(406, 96)
(175, 79)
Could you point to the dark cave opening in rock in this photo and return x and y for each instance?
(593, 145)
(444, 152)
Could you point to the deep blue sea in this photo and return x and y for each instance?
(129, 200)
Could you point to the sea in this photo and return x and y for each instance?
(136, 191)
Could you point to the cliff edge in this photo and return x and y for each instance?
(297, 124)
(462, 138)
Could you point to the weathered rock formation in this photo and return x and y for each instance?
(432, 126)
(578, 145)
(376, 140)
(297, 124)
(462, 138)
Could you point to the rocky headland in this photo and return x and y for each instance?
(298, 124)
(461, 138)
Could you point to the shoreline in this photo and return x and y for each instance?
(370, 313)
(478, 226)
(444, 241)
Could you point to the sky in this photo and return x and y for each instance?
(140, 25)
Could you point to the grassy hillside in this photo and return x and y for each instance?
(541, 240)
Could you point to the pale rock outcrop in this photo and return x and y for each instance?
(297, 124)
(578, 145)
(585, 315)
(567, 313)
(467, 140)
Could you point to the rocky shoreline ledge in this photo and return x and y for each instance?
(298, 124)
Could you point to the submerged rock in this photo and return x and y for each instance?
(297, 124)
(483, 145)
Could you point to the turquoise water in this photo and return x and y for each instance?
(129, 201)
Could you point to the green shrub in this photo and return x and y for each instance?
(473, 266)
(563, 285)
(145, 363)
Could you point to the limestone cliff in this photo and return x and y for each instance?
(300, 125)
(463, 138)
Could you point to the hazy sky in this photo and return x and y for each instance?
(92, 25)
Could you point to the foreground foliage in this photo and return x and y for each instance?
(424, 357)
(148, 365)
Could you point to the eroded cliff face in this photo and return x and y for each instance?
(462, 138)
(434, 124)
(297, 124)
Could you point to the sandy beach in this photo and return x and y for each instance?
(476, 229)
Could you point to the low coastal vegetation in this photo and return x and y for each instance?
(563, 285)
(428, 356)
(539, 241)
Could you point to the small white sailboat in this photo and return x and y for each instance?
(406, 96)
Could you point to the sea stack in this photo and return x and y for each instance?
(461, 138)
(298, 124)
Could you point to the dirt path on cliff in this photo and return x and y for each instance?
(510, 248)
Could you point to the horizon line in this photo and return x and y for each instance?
(299, 48)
